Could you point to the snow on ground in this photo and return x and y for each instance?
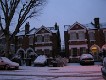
(74, 72)
(48, 78)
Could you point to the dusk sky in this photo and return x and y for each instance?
(67, 12)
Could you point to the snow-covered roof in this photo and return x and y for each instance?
(34, 30)
(54, 31)
(21, 33)
(88, 26)
(40, 59)
(66, 27)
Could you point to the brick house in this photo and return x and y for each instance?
(38, 41)
(85, 38)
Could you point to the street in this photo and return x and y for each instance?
(72, 71)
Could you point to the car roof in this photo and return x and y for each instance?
(86, 56)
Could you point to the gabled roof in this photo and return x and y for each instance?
(42, 28)
(35, 30)
(88, 26)
(76, 23)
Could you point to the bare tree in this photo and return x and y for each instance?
(20, 10)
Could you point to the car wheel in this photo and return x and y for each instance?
(7, 67)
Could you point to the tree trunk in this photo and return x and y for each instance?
(7, 46)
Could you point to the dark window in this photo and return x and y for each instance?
(20, 41)
(82, 50)
(74, 52)
(39, 51)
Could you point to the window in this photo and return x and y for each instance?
(46, 51)
(39, 52)
(3, 41)
(105, 35)
(46, 38)
(73, 36)
(20, 40)
(82, 50)
(81, 35)
(91, 36)
(39, 38)
(74, 52)
(31, 40)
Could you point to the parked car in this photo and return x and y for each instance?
(40, 60)
(103, 69)
(86, 59)
(7, 64)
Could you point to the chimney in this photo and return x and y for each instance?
(96, 23)
(27, 26)
(56, 26)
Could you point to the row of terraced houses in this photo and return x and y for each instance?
(78, 39)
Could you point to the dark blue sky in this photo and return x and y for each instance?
(67, 12)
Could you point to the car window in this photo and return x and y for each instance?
(6, 59)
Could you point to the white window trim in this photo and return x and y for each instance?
(78, 46)
(91, 31)
(43, 42)
(43, 34)
(43, 48)
(78, 36)
(78, 40)
(44, 38)
(77, 31)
